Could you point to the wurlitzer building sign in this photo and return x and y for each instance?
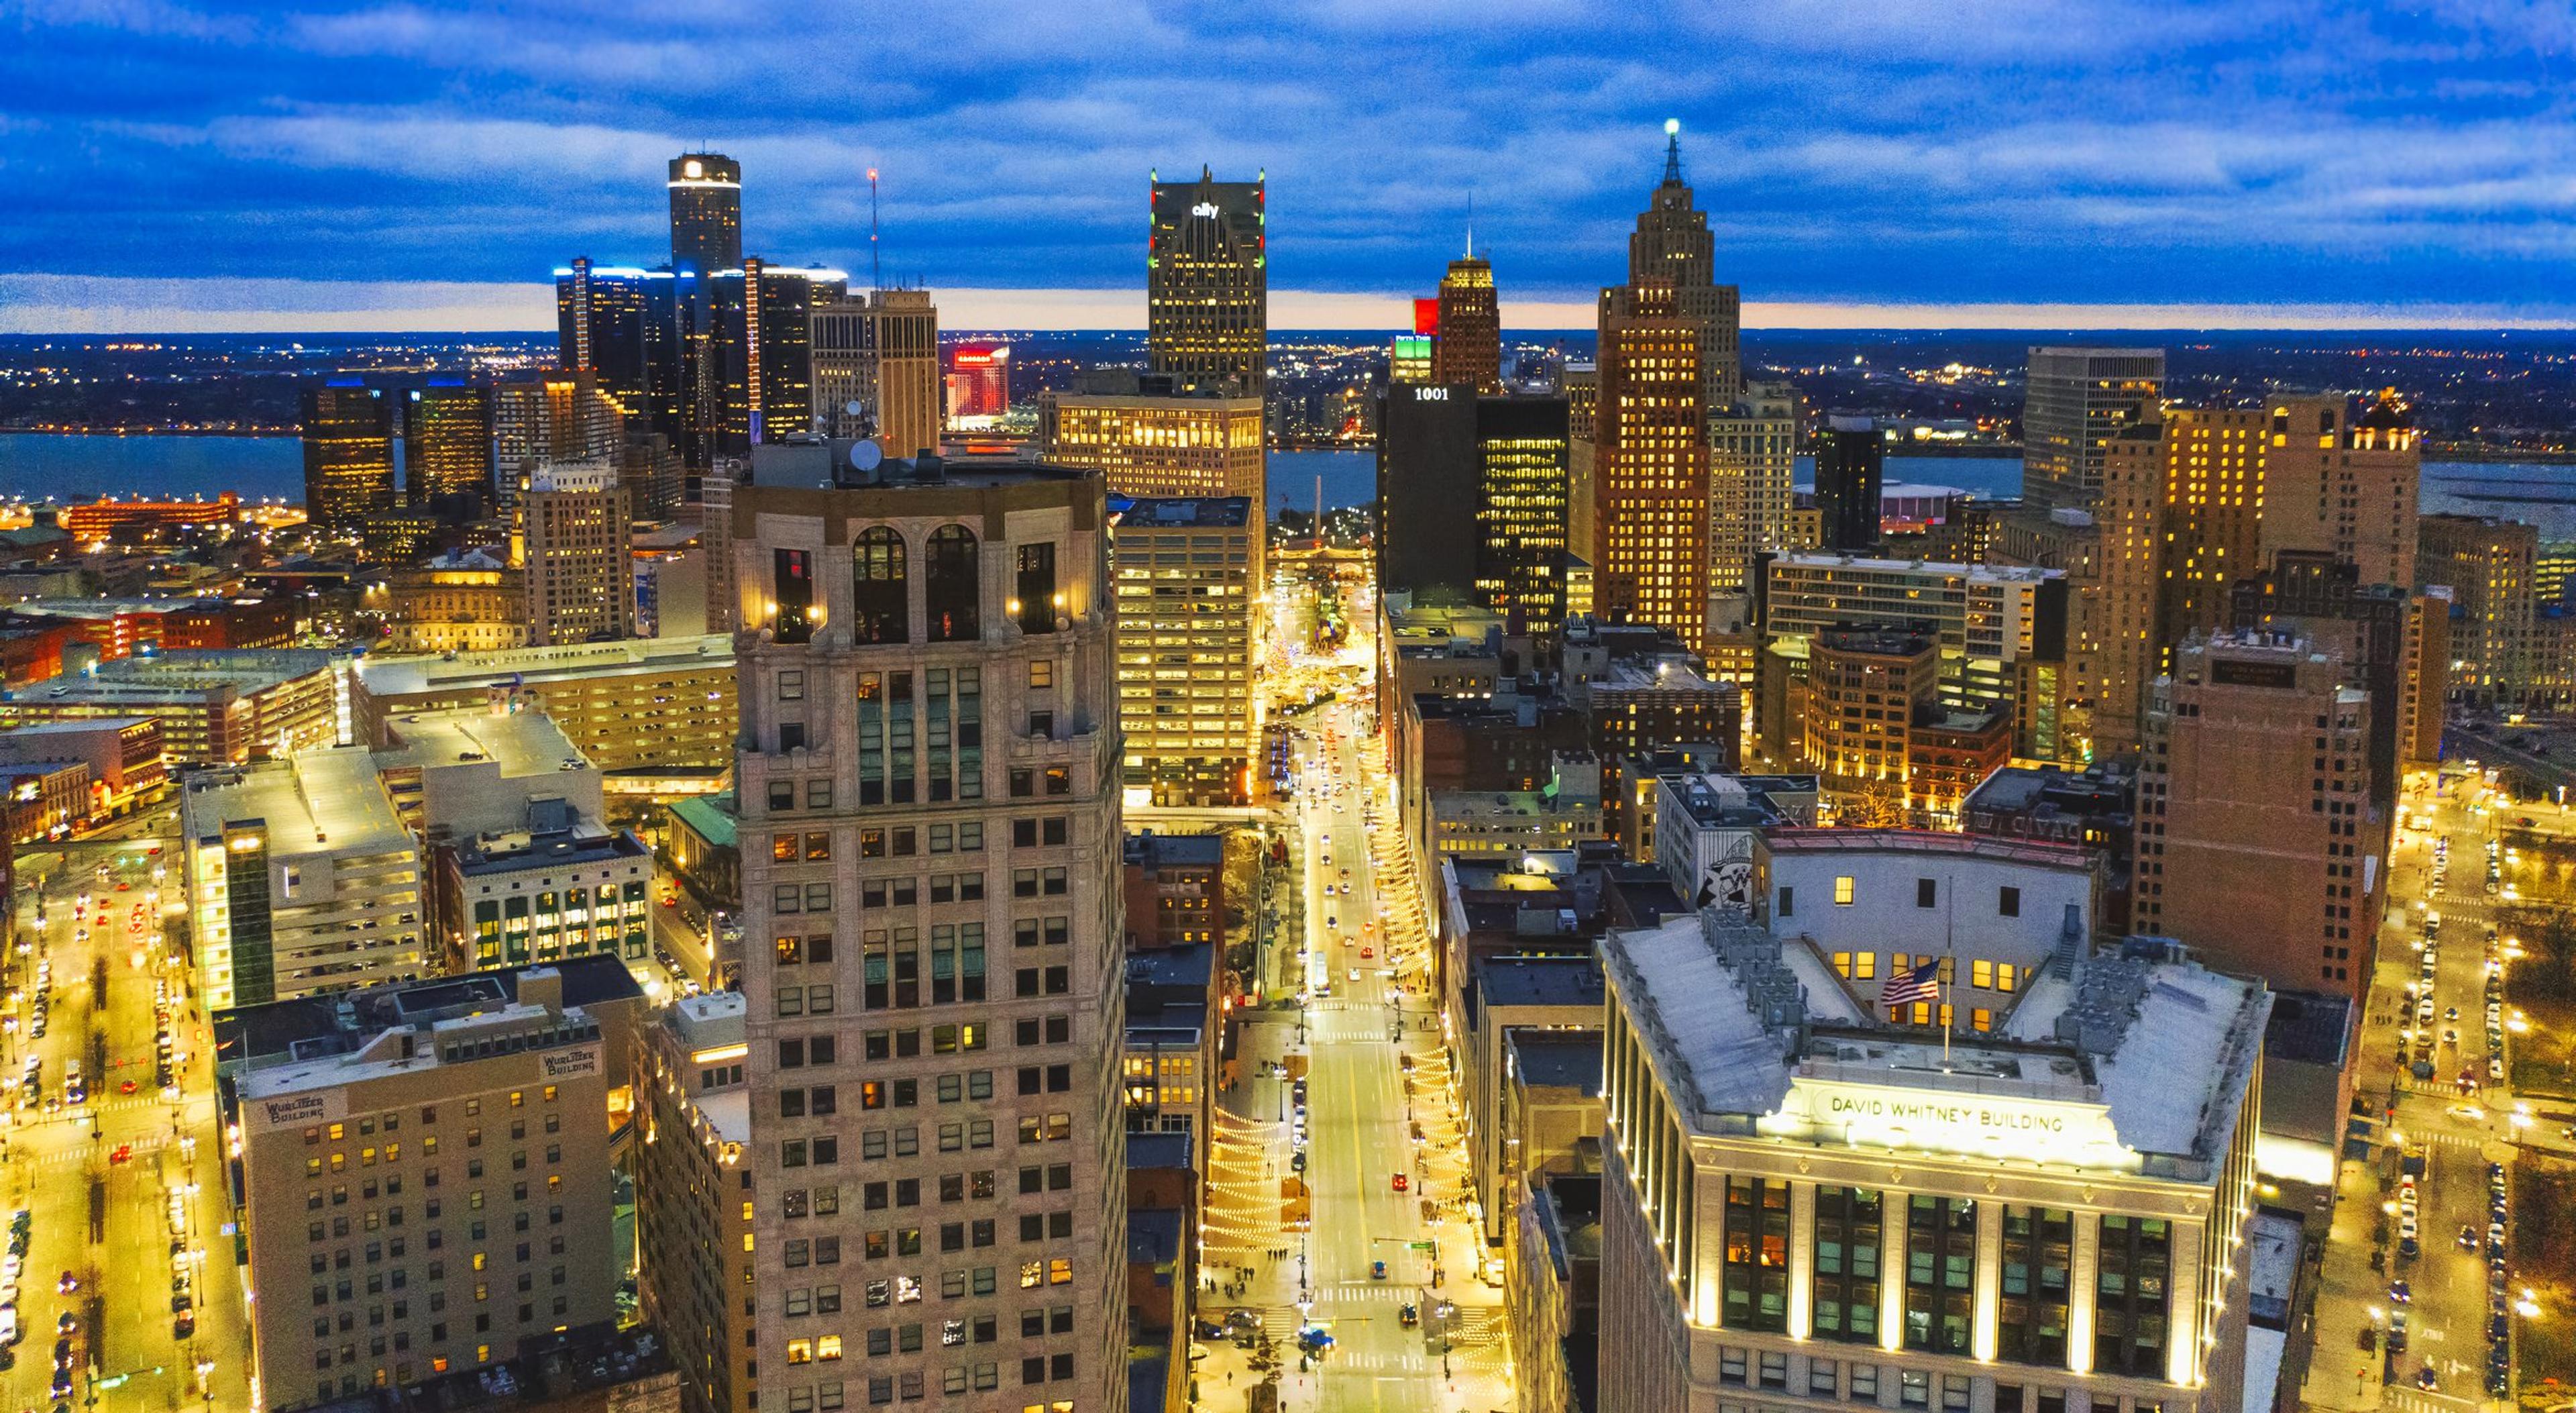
(1975, 1125)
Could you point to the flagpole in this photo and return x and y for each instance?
(1943, 1006)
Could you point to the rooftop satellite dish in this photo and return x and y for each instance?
(855, 408)
(865, 456)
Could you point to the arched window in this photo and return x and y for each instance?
(953, 586)
(879, 603)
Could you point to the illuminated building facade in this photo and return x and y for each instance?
(1153, 444)
(979, 381)
(552, 420)
(928, 689)
(1188, 579)
(1811, 1203)
(1207, 286)
(1865, 687)
(762, 349)
(2487, 566)
(1408, 359)
(635, 707)
(215, 708)
(693, 1228)
(456, 603)
(348, 454)
(1752, 478)
(1985, 619)
(632, 329)
(1672, 245)
(579, 575)
(1469, 347)
(706, 212)
(1650, 487)
(2075, 401)
(447, 442)
(1443, 450)
(121, 520)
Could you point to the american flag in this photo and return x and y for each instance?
(1923, 983)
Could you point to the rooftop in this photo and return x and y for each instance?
(1182, 512)
(1989, 573)
(315, 802)
(522, 743)
(184, 675)
(710, 815)
(1150, 1151)
(1153, 850)
(428, 672)
(515, 852)
(1928, 841)
(1538, 981)
(1556, 1059)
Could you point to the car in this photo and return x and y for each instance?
(2407, 1248)
(2399, 1293)
(1407, 1315)
(126, 1088)
(2397, 1332)
(2424, 1378)
(2468, 1238)
(67, 1284)
(1367, 952)
(1377, 1270)
(63, 1352)
(66, 1323)
(183, 1326)
(1355, 974)
(1297, 1161)
(62, 1385)
(1402, 1183)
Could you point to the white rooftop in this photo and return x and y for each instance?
(316, 802)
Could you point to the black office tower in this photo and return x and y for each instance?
(1851, 458)
(1207, 284)
(1472, 500)
(706, 212)
(348, 454)
(447, 442)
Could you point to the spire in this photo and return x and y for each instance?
(1471, 225)
(1672, 151)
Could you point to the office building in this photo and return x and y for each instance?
(928, 685)
(978, 383)
(760, 349)
(214, 708)
(1672, 245)
(878, 352)
(2344, 485)
(1650, 487)
(366, 1270)
(1207, 287)
(1859, 751)
(1987, 620)
(1752, 475)
(1408, 359)
(1467, 348)
(2487, 566)
(301, 879)
(348, 454)
(2375, 629)
(466, 601)
(706, 212)
(42, 799)
(122, 757)
(641, 709)
(2074, 401)
(560, 422)
(2260, 845)
(1851, 458)
(1188, 577)
(633, 331)
(1175, 887)
(579, 575)
(1443, 450)
(1808, 1201)
(1149, 440)
(447, 442)
(694, 1199)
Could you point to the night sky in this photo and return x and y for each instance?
(254, 164)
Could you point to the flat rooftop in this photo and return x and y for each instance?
(1538, 981)
(407, 675)
(1929, 841)
(315, 802)
(1991, 573)
(522, 743)
(185, 675)
(520, 851)
(1557, 1059)
(1182, 512)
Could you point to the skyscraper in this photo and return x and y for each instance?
(706, 213)
(1469, 346)
(979, 382)
(1752, 470)
(1650, 489)
(1445, 454)
(1851, 457)
(880, 351)
(927, 761)
(348, 453)
(762, 349)
(447, 441)
(2486, 564)
(1189, 578)
(1207, 284)
(548, 420)
(1672, 244)
(2075, 400)
(572, 528)
(1145, 442)
(603, 327)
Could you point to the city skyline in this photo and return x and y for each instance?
(1898, 174)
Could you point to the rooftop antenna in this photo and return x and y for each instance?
(876, 269)
(1471, 225)
(1673, 150)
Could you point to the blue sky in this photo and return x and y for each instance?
(2097, 161)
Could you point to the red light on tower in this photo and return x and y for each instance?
(1426, 317)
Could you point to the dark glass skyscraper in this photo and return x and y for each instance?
(763, 351)
(1207, 284)
(1469, 345)
(447, 441)
(348, 453)
(706, 212)
(1851, 457)
(1500, 463)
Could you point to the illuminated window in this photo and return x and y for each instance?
(1843, 891)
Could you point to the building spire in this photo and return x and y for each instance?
(1471, 225)
(1672, 151)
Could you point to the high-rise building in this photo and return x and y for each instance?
(2075, 400)
(1752, 475)
(1469, 347)
(2258, 846)
(1189, 579)
(1858, 752)
(447, 441)
(2487, 566)
(371, 1102)
(2029, 1194)
(1408, 359)
(979, 382)
(573, 538)
(1444, 451)
(301, 880)
(761, 349)
(2374, 628)
(929, 686)
(693, 1223)
(633, 330)
(1672, 245)
(878, 352)
(706, 213)
(1851, 458)
(348, 454)
(1986, 619)
(1207, 284)
(1650, 488)
(552, 419)
(1156, 442)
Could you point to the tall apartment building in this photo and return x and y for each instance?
(1650, 500)
(1865, 685)
(425, 1180)
(2258, 843)
(1444, 452)
(301, 880)
(2344, 485)
(1807, 1203)
(2074, 401)
(447, 441)
(1207, 287)
(878, 352)
(1672, 244)
(694, 1197)
(1752, 474)
(2487, 566)
(1153, 441)
(348, 453)
(928, 754)
(1188, 577)
(556, 422)
(579, 572)
(1468, 347)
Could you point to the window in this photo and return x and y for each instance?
(1845, 1279)
(1042, 672)
(1843, 891)
(2038, 1247)
(1981, 973)
(880, 612)
(1755, 1280)
(1035, 588)
(1788, 902)
(951, 587)
(1940, 1272)
(1927, 893)
(791, 685)
(2129, 1296)
(2008, 902)
(793, 571)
